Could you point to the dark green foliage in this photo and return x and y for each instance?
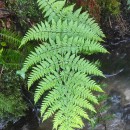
(110, 7)
(11, 102)
(10, 55)
(57, 65)
(10, 37)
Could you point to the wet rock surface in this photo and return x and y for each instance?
(118, 85)
(115, 124)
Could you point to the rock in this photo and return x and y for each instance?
(46, 125)
(127, 94)
(2, 124)
(115, 124)
(25, 127)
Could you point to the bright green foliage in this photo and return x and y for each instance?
(64, 76)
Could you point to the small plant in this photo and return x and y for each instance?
(102, 115)
(10, 55)
(111, 7)
(64, 77)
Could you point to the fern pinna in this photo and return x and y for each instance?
(57, 65)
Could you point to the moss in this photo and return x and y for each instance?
(11, 102)
(111, 7)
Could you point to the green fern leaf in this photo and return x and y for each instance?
(64, 77)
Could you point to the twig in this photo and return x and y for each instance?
(1, 72)
(110, 22)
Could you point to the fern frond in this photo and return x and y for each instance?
(64, 76)
(10, 37)
(11, 58)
